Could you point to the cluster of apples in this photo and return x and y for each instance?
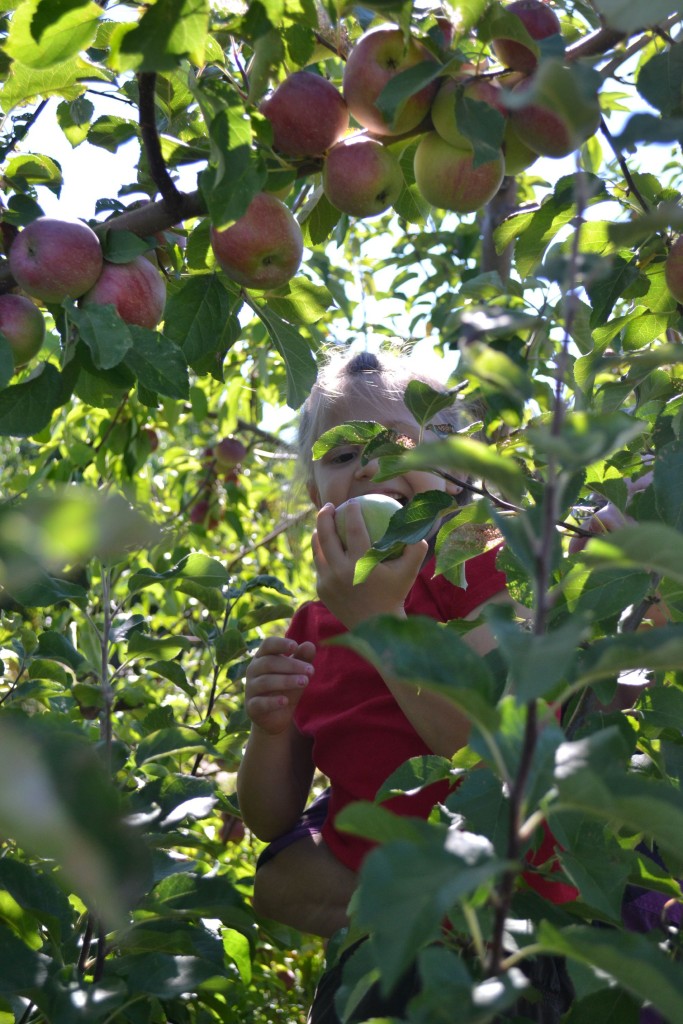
(222, 459)
(52, 260)
(361, 173)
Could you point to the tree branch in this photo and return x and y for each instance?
(150, 139)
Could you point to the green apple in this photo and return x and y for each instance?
(377, 511)
(448, 178)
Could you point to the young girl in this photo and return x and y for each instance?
(318, 706)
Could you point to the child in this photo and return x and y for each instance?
(318, 706)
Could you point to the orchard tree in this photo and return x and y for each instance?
(503, 179)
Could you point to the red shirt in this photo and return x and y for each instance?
(360, 734)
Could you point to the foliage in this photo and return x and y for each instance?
(137, 576)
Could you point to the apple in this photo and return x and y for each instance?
(203, 513)
(362, 177)
(151, 437)
(443, 108)
(228, 453)
(539, 20)
(448, 178)
(378, 57)
(377, 510)
(307, 113)
(23, 326)
(136, 290)
(556, 120)
(55, 259)
(673, 269)
(263, 249)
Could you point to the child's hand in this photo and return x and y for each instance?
(276, 677)
(385, 589)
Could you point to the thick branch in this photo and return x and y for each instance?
(150, 139)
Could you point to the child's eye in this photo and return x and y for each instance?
(339, 457)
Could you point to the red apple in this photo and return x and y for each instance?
(203, 513)
(232, 829)
(362, 177)
(150, 434)
(136, 289)
(557, 119)
(23, 326)
(378, 57)
(447, 177)
(55, 259)
(308, 115)
(539, 20)
(228, 453)
(262, 249)
(673, 269)
(443, 108)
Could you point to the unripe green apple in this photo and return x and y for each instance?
(377, 511)
(673, 269)
(378, 57)
(23, 326)
(362, 177)
(443, 109)
(448, 178)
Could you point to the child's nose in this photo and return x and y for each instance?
(368, 470)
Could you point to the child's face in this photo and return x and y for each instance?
(339, 474)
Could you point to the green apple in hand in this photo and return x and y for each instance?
(377, 510)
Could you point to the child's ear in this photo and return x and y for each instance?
(313, 494)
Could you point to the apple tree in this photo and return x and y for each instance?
(499, 180)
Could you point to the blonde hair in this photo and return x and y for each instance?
(382, 378)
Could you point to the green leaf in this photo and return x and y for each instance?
(67, 79)
(416, 520)
(656, 650)
(208, 572)
(158, 363)
(353, 432)
(537, 664)
(660, 81)
(74, 119)
(38, 893)
(367, 819)
(462, 456)
(295, 350)
(163, 975)
(637, 964)
(193, 316)
(601, 593)
(107, 336)
(414, 774)
(668, 482)
(33, 169)
(482, 124)
(48, 32)
(402, 648)
(63, 806)
(431, 876)
(27, 408)
(304, 303)
(402, 86)
(424, 403)
(318, 220)
(609, 287)
(171, 742)
(630, 15)
(649, 545)
(22, 970)
(586, 437)
(168, 31)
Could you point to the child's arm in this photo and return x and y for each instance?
(275, 774)
(439, 723)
